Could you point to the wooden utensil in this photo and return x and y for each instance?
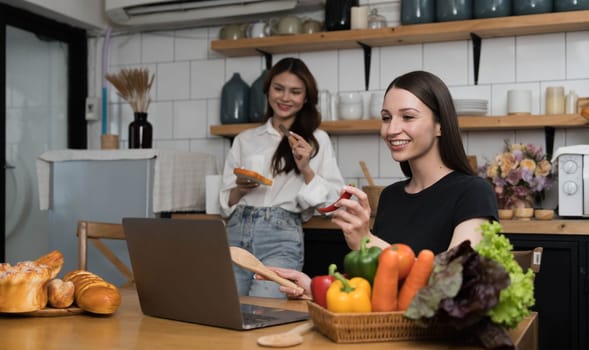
(248, 261)
(286, 339)
(367, 173)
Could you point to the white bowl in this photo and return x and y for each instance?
(350, 111)
(350, 97)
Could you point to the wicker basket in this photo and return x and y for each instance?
(372, 327)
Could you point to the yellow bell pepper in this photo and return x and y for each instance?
(351, 295)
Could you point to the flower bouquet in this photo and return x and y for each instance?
(519, 175)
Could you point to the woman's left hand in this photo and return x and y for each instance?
(298, 277)
(355, 219)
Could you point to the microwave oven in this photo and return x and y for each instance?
(573, 180)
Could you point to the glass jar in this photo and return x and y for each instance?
(375, 20)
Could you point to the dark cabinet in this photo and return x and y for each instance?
(561, 289)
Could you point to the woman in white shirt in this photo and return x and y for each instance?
(267, 220)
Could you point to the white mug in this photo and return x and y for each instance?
(519, 102)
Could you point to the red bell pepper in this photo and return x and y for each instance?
(320, 284)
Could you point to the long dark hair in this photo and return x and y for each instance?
(307, 120)
(432, 91)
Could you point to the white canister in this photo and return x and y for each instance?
(213, 186)
(359, 17)
(519, 102)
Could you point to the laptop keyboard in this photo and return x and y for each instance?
(255, 318)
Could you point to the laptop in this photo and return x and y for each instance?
(183, 271)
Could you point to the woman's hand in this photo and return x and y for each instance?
(298, 277)
(301, 151)
(354, 220)
(244, 186)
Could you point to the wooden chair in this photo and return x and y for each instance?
(94, 232)
(529, 259)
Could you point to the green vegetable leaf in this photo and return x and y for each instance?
(518, 297)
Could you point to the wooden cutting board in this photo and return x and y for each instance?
(49, 312)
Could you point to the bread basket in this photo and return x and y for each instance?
(372, 327)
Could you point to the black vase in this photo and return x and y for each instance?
(234, 101)
(140, 131)
(338, 14)
(257, 100)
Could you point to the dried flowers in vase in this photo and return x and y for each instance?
(519, 175)
(133, 85)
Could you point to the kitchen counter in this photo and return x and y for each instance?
(128, 328)
(556, 226)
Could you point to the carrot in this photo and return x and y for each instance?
(417, 278)
(386, 282)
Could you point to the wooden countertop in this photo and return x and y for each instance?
(128, 328)
(556, 226)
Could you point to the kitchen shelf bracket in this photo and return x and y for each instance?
(367, 59)
(267, 57)
(549, 140)
(476, 55)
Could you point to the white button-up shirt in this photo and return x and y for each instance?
(253, 149)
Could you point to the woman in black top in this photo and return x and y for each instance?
(442, 202)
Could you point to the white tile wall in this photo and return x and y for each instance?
(190, 76)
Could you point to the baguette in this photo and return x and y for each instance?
(93, 294)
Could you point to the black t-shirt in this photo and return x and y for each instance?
(427, 219)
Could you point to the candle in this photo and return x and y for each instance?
(359, 17)
(555, 100)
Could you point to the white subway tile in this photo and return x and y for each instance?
(540, 57)
(577, 55)
(448, 60)
(398, 60)
(161, 118)
(351, 70)
(191, 44)
(499, 93)
(207, 78)
(352, 149)
(125, 49)
(157, 47)
(190, 119)
(173, 81)
(324, 67)
(497, 61)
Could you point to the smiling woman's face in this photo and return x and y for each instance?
(286, 95)
(408, 127)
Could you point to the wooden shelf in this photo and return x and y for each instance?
(486, 123)
(408, 34)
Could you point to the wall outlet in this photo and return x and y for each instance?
(92, 108)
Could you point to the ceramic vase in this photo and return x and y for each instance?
(234, 101)
(140, 131)
(257, 100)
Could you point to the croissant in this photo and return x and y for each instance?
(53, 260)
(93, 294)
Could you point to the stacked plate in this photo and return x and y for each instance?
(471, 106)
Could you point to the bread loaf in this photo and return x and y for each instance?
(252, 175)
(93, 294)
(22, 286)
(60, 294)
(53, 260)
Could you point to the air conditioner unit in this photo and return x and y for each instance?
(173, 13)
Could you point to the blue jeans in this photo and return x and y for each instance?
(274, 236)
